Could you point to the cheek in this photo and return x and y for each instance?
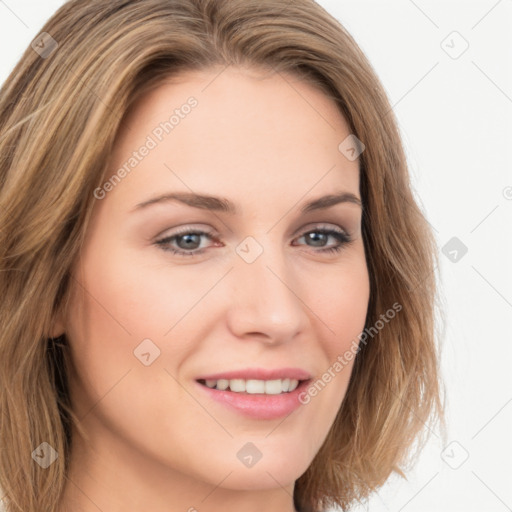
(341, 304)
(123, 300)
(120, 305)
(110, 314)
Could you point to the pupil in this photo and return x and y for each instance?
(314, 237)
(187, 239)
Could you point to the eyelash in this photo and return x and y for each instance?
(342, 238)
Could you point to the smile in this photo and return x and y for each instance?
(253, 398)
(252, 386)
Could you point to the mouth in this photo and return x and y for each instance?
(256, 399)
(254, 386)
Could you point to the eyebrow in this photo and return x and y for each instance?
(223, 205)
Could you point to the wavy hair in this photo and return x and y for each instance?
(60, 112)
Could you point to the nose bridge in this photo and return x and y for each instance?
(264, 300)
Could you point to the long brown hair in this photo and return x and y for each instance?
(60, 111)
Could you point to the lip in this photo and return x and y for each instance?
(260, 374)
(258, 405)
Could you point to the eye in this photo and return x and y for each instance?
(188, 241)
(320, 235)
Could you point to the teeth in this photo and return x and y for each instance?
(293, 384)
(253, 386)
(237, 385)
(273, 387)
(222, 384)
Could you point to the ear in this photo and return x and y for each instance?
(58, 326)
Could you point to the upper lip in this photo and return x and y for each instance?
(260, 374)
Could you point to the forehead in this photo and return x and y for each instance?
(265, 95)
(247, 132)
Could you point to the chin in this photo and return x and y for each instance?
(254, 479)
(277, 470)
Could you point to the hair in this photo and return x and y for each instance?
(59, 117)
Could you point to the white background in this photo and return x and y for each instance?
(455, 116)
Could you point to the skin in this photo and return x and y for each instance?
(155, 441)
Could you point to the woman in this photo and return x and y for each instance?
(286, 362)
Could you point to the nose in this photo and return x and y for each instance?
(266, 301)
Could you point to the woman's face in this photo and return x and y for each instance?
(260, 289)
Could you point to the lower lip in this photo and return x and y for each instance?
(258, 406)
